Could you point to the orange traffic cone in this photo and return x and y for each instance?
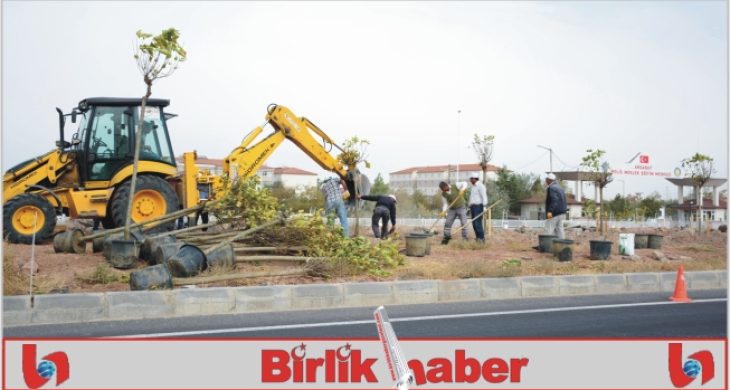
(680, 290)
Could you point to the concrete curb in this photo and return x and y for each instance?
(132, 305)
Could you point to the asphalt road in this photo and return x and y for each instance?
(604, 316)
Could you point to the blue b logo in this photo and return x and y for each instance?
(46, 369)
(692, 368)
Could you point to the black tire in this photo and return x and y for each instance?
(15, 204)
(108, 222)
(120, 199)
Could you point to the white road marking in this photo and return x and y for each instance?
(410, 319)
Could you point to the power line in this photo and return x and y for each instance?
(531, 162)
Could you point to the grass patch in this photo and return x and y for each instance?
(700, 248)
(104, 274)
(468, 245)
(15, 282)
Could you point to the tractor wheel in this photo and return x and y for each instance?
(19, 218)
(108, 222)
(154, 198)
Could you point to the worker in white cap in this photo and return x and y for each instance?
(556, 206)
(477, 202)
(384, 210)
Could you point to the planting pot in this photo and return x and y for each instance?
(222, 257)
(563, 249)
(188, 261)
(69, 242)
(416, 245)
(124, 253)
(164, 252)
(600, 250)
(97, 244)
(641, 241)
(655, 241)
(428, 240)
(156, 277)
(545, 242)
(150, 245)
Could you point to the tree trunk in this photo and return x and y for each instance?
(484, 181)
(699, 204)
(135, 164)
(600, 210)
(357, 204)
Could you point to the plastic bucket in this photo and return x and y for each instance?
(150, 245)
(221, 257)
(600, 250)
(416, 245)
(545, 242)
(641, 241)
(626, 244)
(563, 249)
(655, 241)
(188, 261)
(69, 242)
(124, 253)
(156, 277)
(165, 251)
(428, 239)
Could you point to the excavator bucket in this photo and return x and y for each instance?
(359, 182)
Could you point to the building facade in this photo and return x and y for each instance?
(426, 179)
(288, 176)
(292, 177)
(534, 207)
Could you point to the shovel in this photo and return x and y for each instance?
(446, 240)
(430, 230)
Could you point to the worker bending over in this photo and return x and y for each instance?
(384, 210)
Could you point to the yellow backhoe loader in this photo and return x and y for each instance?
(88, 177)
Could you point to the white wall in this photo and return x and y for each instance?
(296, 181)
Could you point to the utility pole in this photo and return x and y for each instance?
(458, 132)
(551, 155)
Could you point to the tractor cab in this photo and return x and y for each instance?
(105, 139)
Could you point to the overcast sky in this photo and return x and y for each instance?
(623, 76)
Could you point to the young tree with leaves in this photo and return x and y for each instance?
(699, 168)
(483, 146)
(599, 174)
(157, 57)
(353, 153)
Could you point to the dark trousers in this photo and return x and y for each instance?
(380, 213)
(477, 223)
(201, 214)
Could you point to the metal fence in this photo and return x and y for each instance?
(535, 224)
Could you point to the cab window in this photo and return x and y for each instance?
(109, 144)
(155, 144)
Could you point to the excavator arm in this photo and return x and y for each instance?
(246, 159)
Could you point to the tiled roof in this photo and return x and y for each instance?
(706, 204)
(292, 171)
(203, 160)
(444, 168)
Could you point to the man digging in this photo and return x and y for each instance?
(454, 206)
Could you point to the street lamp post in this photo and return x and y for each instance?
(551, 155)
(458, 131)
